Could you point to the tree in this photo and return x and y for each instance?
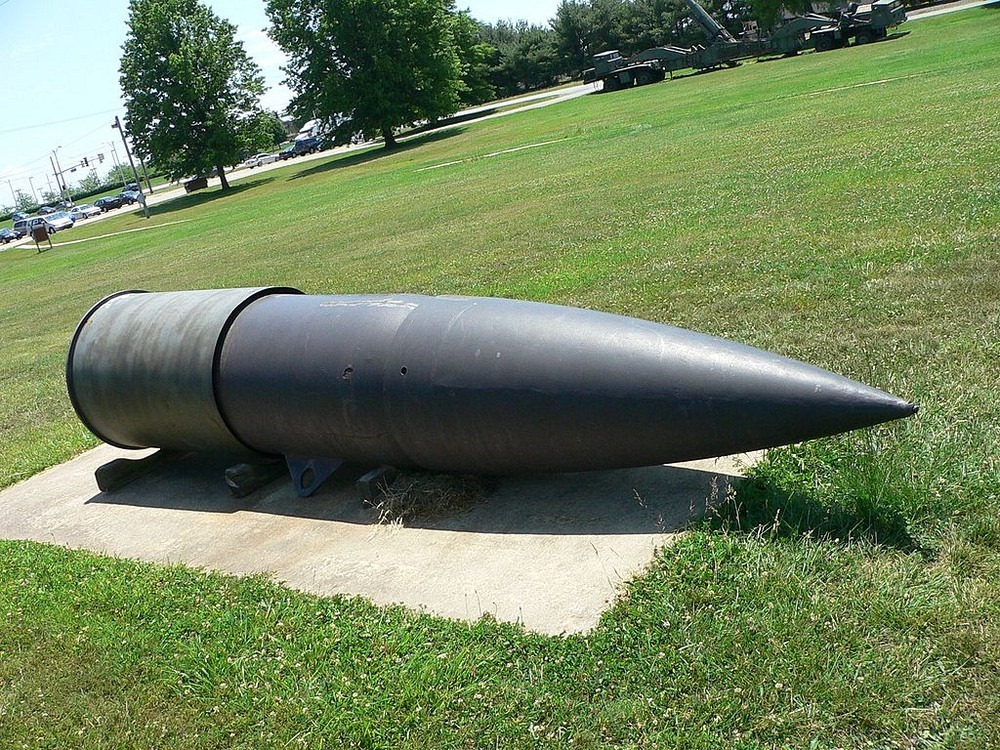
(122, 174)
(91, 183)
(767, 12)
(523, 58)
(276, 129)
(585, 27)
(652, 23)
(378, 64)
(572, 32)
(532, 63)
(24, 201)
(474, 55)
(191, 91)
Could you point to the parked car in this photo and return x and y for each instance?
(260, 159)
(305, 146)
(109, 202)
(9, 235)
(130, 196)
(133, 187)
(19, 215)
(195, 183)
(43, 210)
(58, 221)
(54, 222)
(84, 211)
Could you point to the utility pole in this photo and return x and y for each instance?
(59, 178)
(12, 194)
(34, 193)
(55, 172)
(118, 126)
(146, 175)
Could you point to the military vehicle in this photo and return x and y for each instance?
(862, 23)
(652, 65)
(616, 72)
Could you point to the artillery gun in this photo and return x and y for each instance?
(865, 23)
(652, 65)
(616, 72)
(862, 23)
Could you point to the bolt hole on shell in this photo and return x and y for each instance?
(348, 371)
(402, 370)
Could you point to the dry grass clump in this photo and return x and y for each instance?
(424, 495)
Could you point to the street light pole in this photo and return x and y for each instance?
(118, 126)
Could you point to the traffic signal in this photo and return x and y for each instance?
(85, 162)
(100, 158)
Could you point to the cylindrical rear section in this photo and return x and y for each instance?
(142, 366)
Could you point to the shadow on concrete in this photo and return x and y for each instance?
(648, 500)
(378, 152)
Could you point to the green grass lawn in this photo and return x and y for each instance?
(841, 208)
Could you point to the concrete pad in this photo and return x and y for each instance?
(547, 551)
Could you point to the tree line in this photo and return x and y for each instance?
(368, 67)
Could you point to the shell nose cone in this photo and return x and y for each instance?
(899, 408)
(839, 404)
(873, 406)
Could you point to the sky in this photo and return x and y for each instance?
(59, 61)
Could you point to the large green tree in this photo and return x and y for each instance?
(523, 56)
(372, 65)
(474, 55)
(191, 91)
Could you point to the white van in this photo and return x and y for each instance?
(53, 222)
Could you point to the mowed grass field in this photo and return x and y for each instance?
(842, 208)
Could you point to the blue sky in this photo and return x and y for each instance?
(59, 61)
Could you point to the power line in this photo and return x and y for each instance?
(23, 169)
(54, 122)
(100, 127)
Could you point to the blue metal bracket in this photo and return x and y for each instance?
(309, 473)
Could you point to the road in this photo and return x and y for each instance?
(487, 112)
(169, 192)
